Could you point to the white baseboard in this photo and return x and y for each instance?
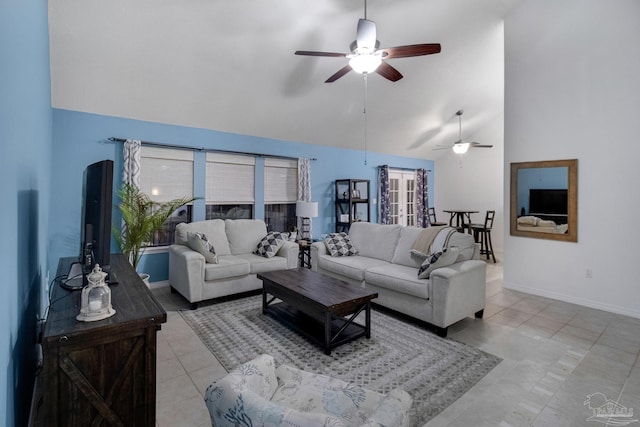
(159, 284)
(574, 300)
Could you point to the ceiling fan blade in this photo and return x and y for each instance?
(366, 35)
(314, 53)
(411, 50)
(388, 72)
(341, 72)
(477, 144)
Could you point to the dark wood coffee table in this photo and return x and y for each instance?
(317, 306)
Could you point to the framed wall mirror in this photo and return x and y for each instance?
(544, 200)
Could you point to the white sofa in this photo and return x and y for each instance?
(384, 264)
(259, 394)
(234, 242)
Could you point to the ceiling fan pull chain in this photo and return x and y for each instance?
(364, 111)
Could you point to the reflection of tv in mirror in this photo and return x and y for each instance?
(545, 202)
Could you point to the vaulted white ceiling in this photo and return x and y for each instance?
(229, 66)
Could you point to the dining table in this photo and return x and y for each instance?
(461, 218)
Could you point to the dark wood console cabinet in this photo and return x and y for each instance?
(100, 373)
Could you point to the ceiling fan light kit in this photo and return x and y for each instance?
(365, 63)
(460, 148)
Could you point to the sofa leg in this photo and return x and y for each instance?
(441, 332)
(479, 314)
(193, 306)
(173, 291)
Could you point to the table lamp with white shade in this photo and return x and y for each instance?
(306, 211)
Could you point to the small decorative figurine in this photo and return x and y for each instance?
(96, 298)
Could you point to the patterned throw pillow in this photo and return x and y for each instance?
(271, 244)
(437, 260)
(199, 243)
(339, 244)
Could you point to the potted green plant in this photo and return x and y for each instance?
(141, 218)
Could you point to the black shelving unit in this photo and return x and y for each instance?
(352, 202)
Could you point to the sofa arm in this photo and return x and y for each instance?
(186, 272)
(393, 410)
(289, 251)
(317, 249)
(457, 291)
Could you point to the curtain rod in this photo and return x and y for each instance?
(405, 169)
(212, 150)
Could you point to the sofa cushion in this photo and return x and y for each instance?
(270, 244)
(398, 278)
(199, 243)
(244, 234)
(402, 254)
(260, 264)
(228, 266)
(214, 229)
(465, 244)
(375, 240)
(352, 267)
(437, 260)
(339, 244)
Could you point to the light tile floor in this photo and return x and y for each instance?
(555, 355)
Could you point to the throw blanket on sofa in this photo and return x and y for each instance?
(432, 240)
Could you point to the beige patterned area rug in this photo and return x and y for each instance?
(435, 371)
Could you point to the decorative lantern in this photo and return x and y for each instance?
(96, 298)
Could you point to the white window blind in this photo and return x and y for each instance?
(230, 178)
(166, 174)
(280, 180)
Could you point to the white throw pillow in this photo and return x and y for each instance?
(437, 260)
(199, 243)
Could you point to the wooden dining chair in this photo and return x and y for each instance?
(482, 235)
(432, 217)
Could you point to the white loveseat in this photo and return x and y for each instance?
(384, 264)
(259, 394)
(234, 242)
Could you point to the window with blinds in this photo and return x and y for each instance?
(280, 193)
(280, 180)
(230, 186)
(165, 175)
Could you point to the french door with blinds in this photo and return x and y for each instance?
(402, 194)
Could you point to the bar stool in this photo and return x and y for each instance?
(482, 235)
(432, 217)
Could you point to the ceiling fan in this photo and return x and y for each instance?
(365, 57)
(460, 146)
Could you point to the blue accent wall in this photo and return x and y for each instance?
(25, 126)
(81, 138)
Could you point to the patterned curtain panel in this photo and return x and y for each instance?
(131, 169)
(384, 202)
(304, 184)
(422, 198)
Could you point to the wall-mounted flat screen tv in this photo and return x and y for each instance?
(548, 201)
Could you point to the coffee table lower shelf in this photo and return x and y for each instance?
(314, 328)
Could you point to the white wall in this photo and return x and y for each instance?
(572, 91)
(475, 180)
